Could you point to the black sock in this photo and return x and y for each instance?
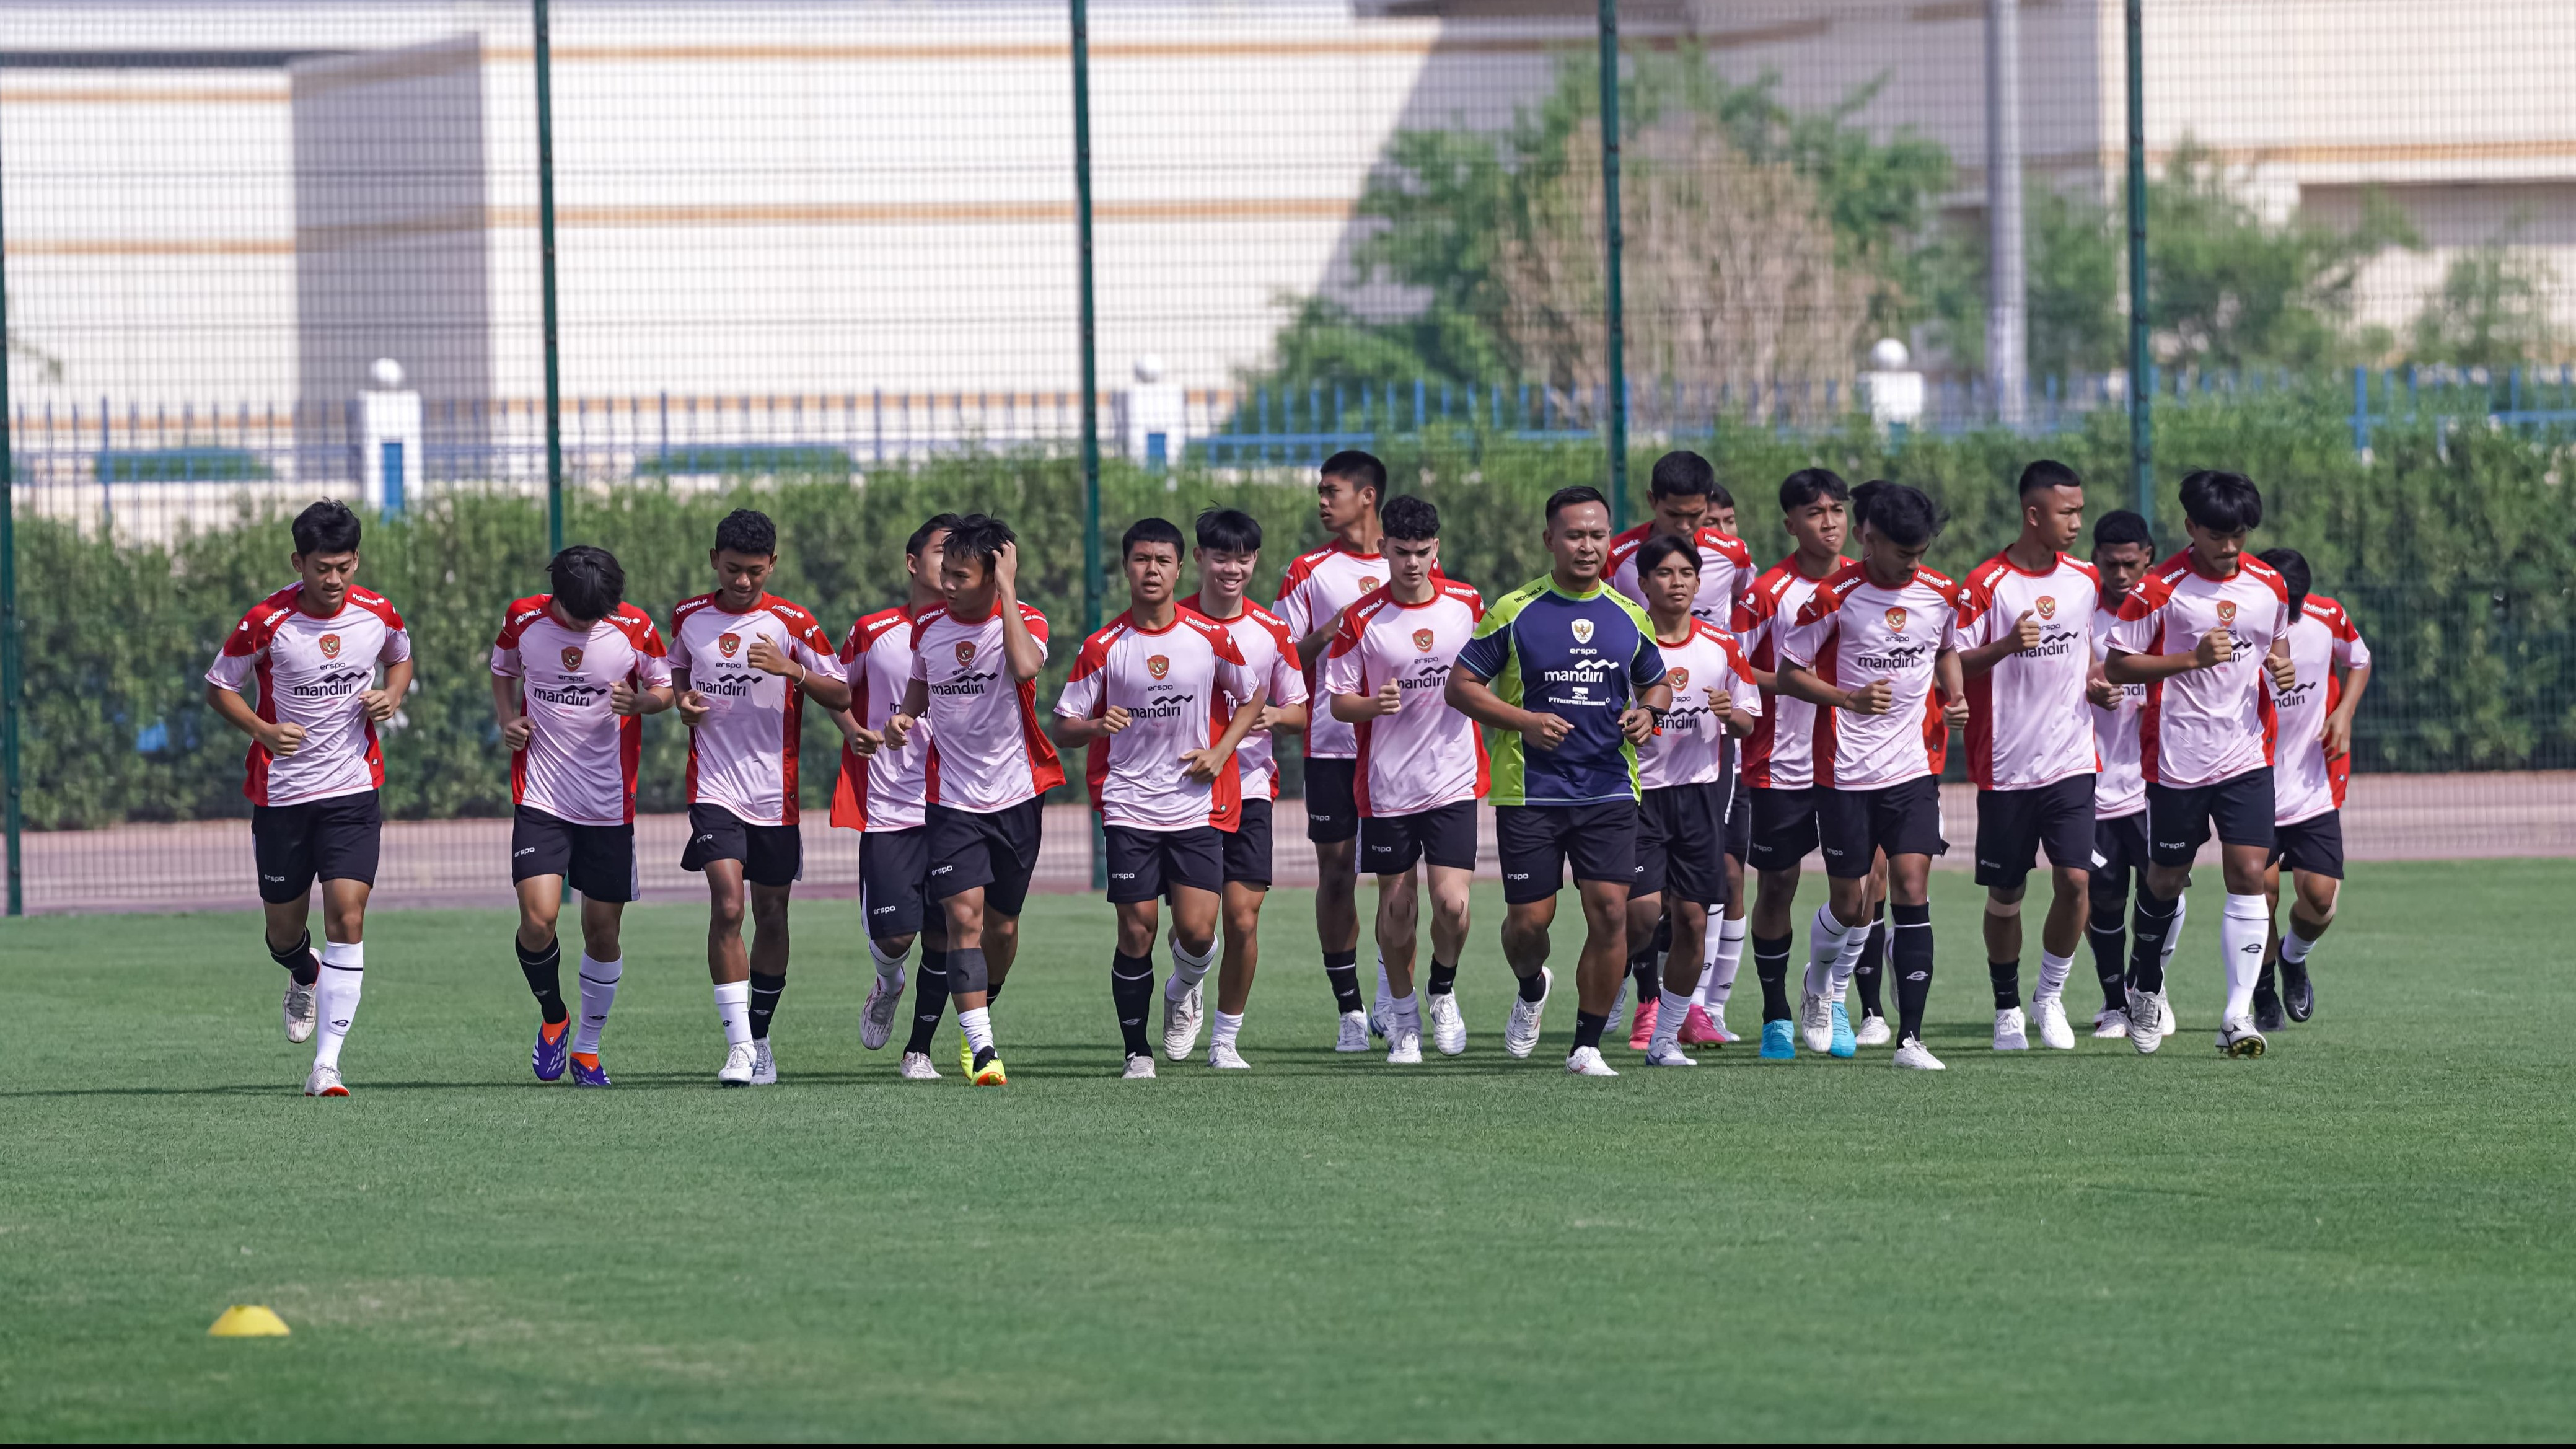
(1771, 968)
(1913, 968)
(764, 1002)
(1131, 987)
(992, 993)
(2006, 976)
(544, 970)
(1870, 976)
(1587, 1030)
(1648, 975)
(1534, 988)
(299, 960)
(1444, 979)
(2147, 941)
(2111, 961)
(930, 999)
(1341, 968)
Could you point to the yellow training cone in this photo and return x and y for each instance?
(248, 1320)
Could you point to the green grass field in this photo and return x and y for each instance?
(2369, 1233)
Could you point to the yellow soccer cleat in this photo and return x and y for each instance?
(965, 1053)
(990, 1074)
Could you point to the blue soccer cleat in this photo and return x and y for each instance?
(554, 1045)
(1844, 1044)
(1779, 1041)
(587, 1072)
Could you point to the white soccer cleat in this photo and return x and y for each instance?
(299, 1011)
(2238, 1038)
(2165, 1023)
(1181, 1021)
(876, 1019)
(1914, 1056)
(1381, 1010)
(2146, 1017)
(1355, 1032)
(324, 1082)
(917, 1068)
(1140, 1069)
(739, 1061)
(1611, 1029)
(1403, 1044)
(2110, 1024)
(1816, 1020)
(1448, 1023)
(764, 1067)
(1587, 1062)
(1223, 1057)
(1667, 1054)
(1520, 1033)
(2011, 1031)
(2054, 1033)
(1873, 1032)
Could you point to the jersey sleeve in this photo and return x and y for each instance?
(1972, 617)
(1803, 642)
(1287, 681)
(505, 656)
(678, 658)
(1646, 667)
(397, 643)
(813, 649)
(1086, 686)
(1490, 650)
(2135, 631)
(1741, 691)
(1292, 608)
(2349, 650)
(1342, 672)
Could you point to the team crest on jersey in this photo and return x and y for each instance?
(1422, 641)
(1369, 585)
(1158, 665)
(965, 653)
(1679, 678)
(1896, 620)
(330, 645)
(571, 659)
(2047, 606)
(2227, 611)
(726, 644)
(1582, 631)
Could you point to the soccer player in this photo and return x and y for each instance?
(1229, 549)
(1421, 768)
(574, 672)
(314, 767)
(2313, 761)
(975, 663)
(1158, 697)
(2123, 550)
(1889, 627)
(1686, 775)
(2025, 645)
(2200, 632)
(880, 796)
(743, 661)
(1318, 586)
(1565, 677)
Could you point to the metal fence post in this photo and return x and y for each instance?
(2142, 475)
(9, 682)
(1613, 244)
(1081, 14)
(546, 246)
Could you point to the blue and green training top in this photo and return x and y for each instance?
(1585, 658)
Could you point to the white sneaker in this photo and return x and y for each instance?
(2011, 1033)
(1873, 1032)
(736, 1072)
(1448, 1023)
(1586, 1062)
(1816, 1018)
(876, 1019)
(917, 1068)
(1223, 1057)
(1181, 1023)
(2110, 1024)
(1614, 1028)
(1355, 1032)
(1381, 1008)
(764, 1067)
(1667, 1054)
(298, 1011)
(2238, 1038)
(2146, 1018)
(1403, 1044)
(1912, 1055)
(1140, 1069)
(2165, 1024)
(324, 1082)
(1520, 1033)
(2054, 1033)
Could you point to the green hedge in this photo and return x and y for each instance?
(2455, 552)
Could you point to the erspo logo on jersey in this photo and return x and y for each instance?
(571, 658)
(330, 645)
(1158, 665)
(727, 644)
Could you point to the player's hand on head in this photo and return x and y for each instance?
(2026, 631)
(1006, 567)
(284, 738)
(1114, 719)
(694, 708)
(1876, 697)
(2215, 648)
(517, 732)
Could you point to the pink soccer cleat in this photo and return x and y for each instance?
(1644, 1031)
(1701, 1029)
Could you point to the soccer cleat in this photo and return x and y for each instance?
(2298, 989)
(1223, 1057)
(1643, 1033)
(1403, 1045)
(1667, 1054)
(876, 1019)
(764, 1067)
(1873, 1031)
(2054, 1033)
(554, 1046)
(2165, 1023)
(298, 1011)
(2110, 1023)
(1355, 1032)
(1703, 1028)
(1779, 1041)
(1587, 1062)
(1140, 1068)
(1815, 1021)
(1912, 1055)
(738, 1063)
(2267, 1010)
(965, 1052)
(587, 1072)
(1181, 1021)
(325, 1082)
(1382, 1009)
(916, 1067)
(993, 1074)
(1448, 1023)
(2238, 1038)
(2010, 1031)
(1520, 1033)
(2146, 1020)
(1618, 1012)
(1842, 1043)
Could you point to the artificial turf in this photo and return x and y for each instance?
(2369, 1233)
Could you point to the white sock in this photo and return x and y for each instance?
(1847, 960)
(2053, 971)
(2294, 947)
(733, 1008)
(1407, 1012)
(2173, 939)
(1726, 954)
(1383, 994)
(1227, 1029)
(1824, 945)
(598, 993)
(2240, 936)
(335, 998)
(1670, 1011)
(978, 1026)
(1188, 970)
(889, 967)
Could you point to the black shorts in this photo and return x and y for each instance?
(1147, 865)
(2120, 847)
(996, 850)
(335, 839)
(1680, 832)
(596, 860)
(894, 881)
(1536, 842)
(1782, 825)
(2012, 825)
(1332, 807)
(771, 855)
(2180, 817)
(1442, 835)
(1739, 822)
(1247, 850)
(1901, 819)
(2313, 845)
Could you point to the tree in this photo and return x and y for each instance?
(2492, 311)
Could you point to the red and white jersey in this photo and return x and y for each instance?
(883, 791)
(2306, 784)
(1425, 755)
(744, 756)
(1180, 686)
(986, 750)
(2120, 789)
(1316, 587)
(2204, 725)
(1270, 653)
(579, 764)
(1854, 631)
(311, 672)
(1725, 572)
(2026, 724)
(1780, 753)
(1690, 746)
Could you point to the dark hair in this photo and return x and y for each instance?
(981, 537)
(326, 527)
(1718, 496)
(1353, 466)
(2048, 473)
(2292, 566)
(1863, 496)
(935, 523)
(1809, 484)
(1683, 474)
(1906, 517)
(1659, 547)
(2121, 526)
(1229, 530)
(2222, 502)
(1412, 518)
(1152, 530)
(587, 582)
(747, 530)
(1565, 498)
